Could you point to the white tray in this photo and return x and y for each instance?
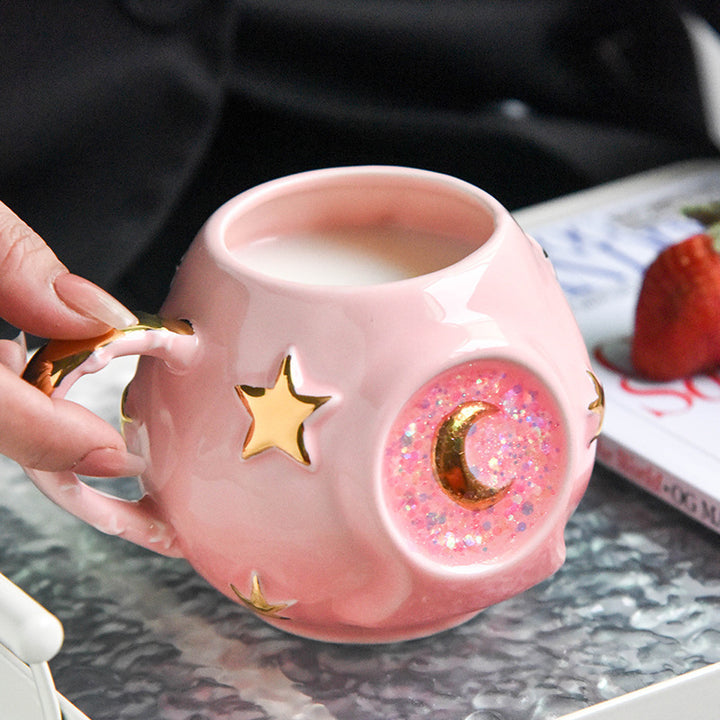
(692, 696)
(30, 636)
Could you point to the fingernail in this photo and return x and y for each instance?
(92, 301)
(21, 342)
(109, 462)
(14, 353)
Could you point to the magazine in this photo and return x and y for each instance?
(663, 436)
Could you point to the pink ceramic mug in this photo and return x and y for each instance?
(370, 414)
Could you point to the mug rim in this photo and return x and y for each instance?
(217, 226)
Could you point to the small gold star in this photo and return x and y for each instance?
(257, 602)
(598, 404)
(278, 414)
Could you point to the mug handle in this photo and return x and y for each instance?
(55, 368)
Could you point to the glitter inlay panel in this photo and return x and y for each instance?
(522, 448)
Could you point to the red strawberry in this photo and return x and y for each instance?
(677, 320)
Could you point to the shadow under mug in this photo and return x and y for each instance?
(366, 409)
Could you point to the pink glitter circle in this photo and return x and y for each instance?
(521, 447)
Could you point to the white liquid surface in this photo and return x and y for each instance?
(353, 256)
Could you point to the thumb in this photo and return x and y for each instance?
(40, 296)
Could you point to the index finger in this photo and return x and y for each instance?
(40, 296)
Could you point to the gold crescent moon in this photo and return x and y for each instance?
(449, 463)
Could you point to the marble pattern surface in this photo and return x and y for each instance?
(637, 601)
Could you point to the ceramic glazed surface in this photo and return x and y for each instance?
(360, 461)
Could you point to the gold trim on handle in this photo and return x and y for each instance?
(52, 362)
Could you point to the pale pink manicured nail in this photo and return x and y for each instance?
(109, 462)
(13, 353)
(21, 341)
(92, 301)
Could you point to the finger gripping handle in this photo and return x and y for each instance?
(54, 369)
(58, 359)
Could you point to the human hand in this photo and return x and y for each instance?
(40, 296)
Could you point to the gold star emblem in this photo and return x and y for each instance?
(257, 602)
(278, 414)
(598, 404)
